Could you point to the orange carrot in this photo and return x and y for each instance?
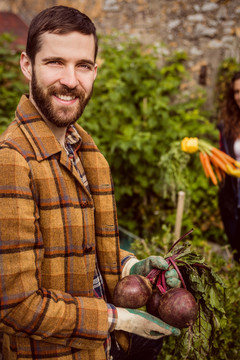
(209, 168)
(218, 162)
(218, 173)
(222, 155)
(201, 156)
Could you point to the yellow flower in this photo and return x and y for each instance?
(189, 145)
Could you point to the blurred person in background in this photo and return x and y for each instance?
(229, 192)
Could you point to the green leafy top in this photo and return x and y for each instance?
(200, 341)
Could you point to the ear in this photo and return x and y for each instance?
(95, 71)
(26, 66)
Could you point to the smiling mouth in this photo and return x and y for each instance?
(66, 97)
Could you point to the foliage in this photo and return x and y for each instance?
(181, 171)
(217, 291)
(12, 84)
(224, 75)
(140, 107)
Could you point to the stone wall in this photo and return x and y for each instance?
(208, 31)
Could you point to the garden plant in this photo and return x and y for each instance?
(142, 107)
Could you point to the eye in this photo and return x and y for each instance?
(85, 66)
(54, 62)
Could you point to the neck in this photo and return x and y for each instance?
(59, 132)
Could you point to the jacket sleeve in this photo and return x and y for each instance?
(28, 309)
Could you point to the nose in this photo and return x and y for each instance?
(69, 77)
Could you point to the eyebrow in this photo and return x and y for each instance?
(85, 61)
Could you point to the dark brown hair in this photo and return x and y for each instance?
(58, 20)
(230, 112)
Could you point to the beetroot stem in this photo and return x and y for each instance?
(159, 286)
(178, 271)
(152, 276)
(161, 289)
(163, 281)
(181, 238)
(194, 264)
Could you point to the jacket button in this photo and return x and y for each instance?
(87, 250)
(83, 204)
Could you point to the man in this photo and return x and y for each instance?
(60, 255)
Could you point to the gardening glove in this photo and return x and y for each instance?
(143, 267)
(143, 324)
(172, 279)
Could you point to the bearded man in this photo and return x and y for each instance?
(60, 255)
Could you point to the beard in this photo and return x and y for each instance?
(61, 116)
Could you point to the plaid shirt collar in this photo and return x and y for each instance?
(73, 138)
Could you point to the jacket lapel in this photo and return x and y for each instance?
(42, 139)
(66, 162)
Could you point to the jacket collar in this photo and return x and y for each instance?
(41, 138)
(44, 142)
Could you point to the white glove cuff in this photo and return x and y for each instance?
(128, 265)
(123, 319)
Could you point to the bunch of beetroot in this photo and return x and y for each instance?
(198, 306)
(175, 306)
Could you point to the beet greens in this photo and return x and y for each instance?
(199, 340)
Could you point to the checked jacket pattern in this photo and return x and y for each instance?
(51, 230)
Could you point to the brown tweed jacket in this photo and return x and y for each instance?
(51, 230)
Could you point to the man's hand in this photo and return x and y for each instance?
(143, 324)
(172, 279)
(143, 267)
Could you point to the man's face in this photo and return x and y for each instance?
(62, 77)
(236, 89)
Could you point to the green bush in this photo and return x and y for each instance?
(12, 83)
(140, 108)
(138, 115)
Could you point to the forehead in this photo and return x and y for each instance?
(74, 45)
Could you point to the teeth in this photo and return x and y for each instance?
(65, 97)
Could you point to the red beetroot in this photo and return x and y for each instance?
(153, 303)
(133, 291)
(178, 308)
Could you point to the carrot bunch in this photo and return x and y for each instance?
(216, 163)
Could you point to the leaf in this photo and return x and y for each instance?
(199, 341)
